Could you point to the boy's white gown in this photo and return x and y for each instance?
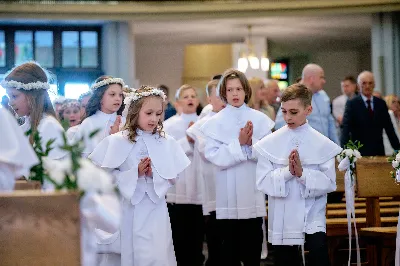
(296, 205)
(236, 196)
(99, 121)
(16, 153)
(145, 236)
(188, 188)
(204, 170)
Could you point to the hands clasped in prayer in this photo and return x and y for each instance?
(144, 167)
(246, 134)
(295, 167)
(189, 138)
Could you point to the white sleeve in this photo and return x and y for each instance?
(224, 155)
(272, 181)
(7, 177)
(186, 145)
(318, 182)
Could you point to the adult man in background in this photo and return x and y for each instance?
(365, 117)
(169, 109)
(320, 119)
(272, 93)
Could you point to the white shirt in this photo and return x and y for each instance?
(338, 105)
(99, 121)
(187, 189)
(236, 193)
(16, 153)
(296, 205)
(205, 170)
(365, 101)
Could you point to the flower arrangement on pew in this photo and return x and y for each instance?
(347, 159)
(349, 156)
(395, 161)
(72, 172)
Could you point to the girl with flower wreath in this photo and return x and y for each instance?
(102, 112)
(26, 86)
(140, 158)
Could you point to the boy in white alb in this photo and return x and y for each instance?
(296, 169)
(240, 208)
(185, 199)
(205, 171)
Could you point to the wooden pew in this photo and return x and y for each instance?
(39, 229)
(374, 181)
(26, 185)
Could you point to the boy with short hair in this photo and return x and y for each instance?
(296, 169)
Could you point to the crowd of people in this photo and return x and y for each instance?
(186, 174)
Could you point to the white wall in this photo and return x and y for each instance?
(160, 63)
(337, 65)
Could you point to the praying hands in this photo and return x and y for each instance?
(295, 167)
(246, 134)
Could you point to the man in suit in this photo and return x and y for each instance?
(365, 117)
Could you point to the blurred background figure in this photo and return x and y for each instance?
(349, 90)
(392, 102)
(169, 108)
(83, 101)
(272, 94)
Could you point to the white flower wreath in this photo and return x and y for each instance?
(135, 95)
(25, 86)
(108, 81)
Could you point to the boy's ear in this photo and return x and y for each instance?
(309, 109)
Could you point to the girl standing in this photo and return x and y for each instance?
(27, 86)
(102, 112)
(145, 162)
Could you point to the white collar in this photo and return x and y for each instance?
(189, 117)
(225, 125)
(365, 97)
(313, 147)
(106, 116)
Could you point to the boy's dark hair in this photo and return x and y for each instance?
(297, 91)
(351, 79)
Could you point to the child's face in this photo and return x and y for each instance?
(234, 92)
(295, 113)
(112, 99)
(18, 102)
(150, 114)
(188, 101)
(215, 101)
(73, 115)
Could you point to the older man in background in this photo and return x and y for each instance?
(272, 93)
(320, 119)
(365, 117)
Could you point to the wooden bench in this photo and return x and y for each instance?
(39, 229)
(374, 181)
(358, 205)
(26, 185)
(339, 213)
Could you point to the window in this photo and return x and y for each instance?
(2, 49)
(74, 90)
(70, 49)
(23, 46)
(89, 41)
(44, 48)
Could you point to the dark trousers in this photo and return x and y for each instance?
(213, 238)
(291, 255)
(187, 224)
(241, 241)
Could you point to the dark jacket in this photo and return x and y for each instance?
(359, 125)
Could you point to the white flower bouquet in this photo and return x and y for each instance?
(395, 161)
(349, 156)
